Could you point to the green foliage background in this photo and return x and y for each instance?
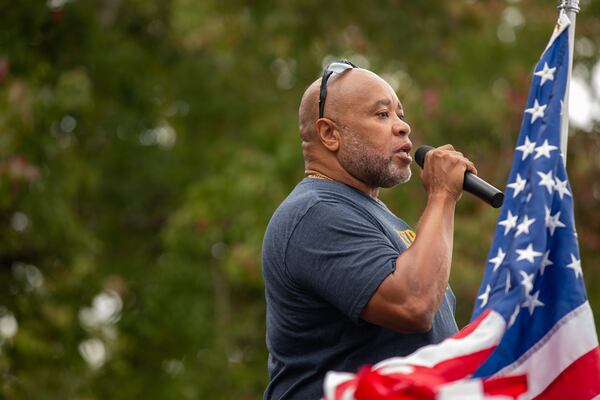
(144, 145)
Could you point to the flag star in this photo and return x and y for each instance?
(553, 221)
(497, 261)
(547, 74)
(562, 104)
(527, 281)
(531, 302)
(561, 187)
(547, 180)
(528, 254)
(514, 316)
(546, 262)
(509, 223)
(529, 196)
(484, 297)
(518, 185)
(544, 150)
(575, 266)
(537, 111)
(523, 227)
(527, 148)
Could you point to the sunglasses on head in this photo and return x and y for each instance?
(337, 67)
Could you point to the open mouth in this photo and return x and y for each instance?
(403, 155)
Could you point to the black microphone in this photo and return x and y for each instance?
(472, 183)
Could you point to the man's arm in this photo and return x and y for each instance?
(407, 300)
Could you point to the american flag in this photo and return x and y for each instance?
(532, 333)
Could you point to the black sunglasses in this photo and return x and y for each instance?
(337, 67)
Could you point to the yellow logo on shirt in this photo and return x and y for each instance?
(407, 236)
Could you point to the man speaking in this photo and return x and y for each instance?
(347, 282)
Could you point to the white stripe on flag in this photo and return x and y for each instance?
(551, 355)
(333, 379)
(462, 390)
(485, 336)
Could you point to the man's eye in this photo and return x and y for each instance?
(401, 116)
(383, 114)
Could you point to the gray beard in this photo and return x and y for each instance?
(368, 166)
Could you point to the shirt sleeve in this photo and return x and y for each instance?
(340, 255)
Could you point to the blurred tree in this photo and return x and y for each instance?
(144, 145)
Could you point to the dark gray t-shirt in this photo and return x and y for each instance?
(326, 250)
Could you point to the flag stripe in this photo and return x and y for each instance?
(511, 386)
(341, 385)
(486, 335)
(467, 330)
(460, 367)
(550, 356)
(472, 389)
(337, 383)
(501, 388)
(578, 381)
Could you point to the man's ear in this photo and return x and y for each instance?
(328, 133)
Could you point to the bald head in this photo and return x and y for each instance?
(343, 91)
(308, 113)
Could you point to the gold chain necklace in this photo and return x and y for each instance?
(318, 175)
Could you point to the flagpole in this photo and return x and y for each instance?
(571, 8)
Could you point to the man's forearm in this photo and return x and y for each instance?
(409, 298)
(422, 272)
(425, 266)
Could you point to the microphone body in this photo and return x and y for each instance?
(472, 183)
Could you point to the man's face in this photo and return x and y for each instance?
(374, 137)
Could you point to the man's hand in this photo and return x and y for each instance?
(444, 171)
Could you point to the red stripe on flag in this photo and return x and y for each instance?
(341, 389)
(375, 386)
(422, 383)
(578, 381)
(509, 386)
(467, 330)
(460, 367)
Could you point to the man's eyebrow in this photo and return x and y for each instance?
(379, 103)
(384, 102)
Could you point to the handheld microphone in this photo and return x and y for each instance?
(472, 183)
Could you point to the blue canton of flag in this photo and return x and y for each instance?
(534, 277)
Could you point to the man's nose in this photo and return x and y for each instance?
(401, 128)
